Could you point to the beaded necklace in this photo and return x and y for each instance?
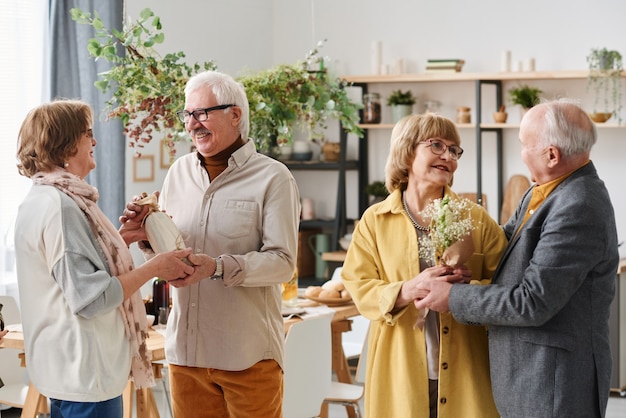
(413, 221)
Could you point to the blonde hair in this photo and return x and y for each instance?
(405, 136)
(50, 134)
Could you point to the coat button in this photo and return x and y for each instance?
(444, 366)
(446, 330)
(443, 401)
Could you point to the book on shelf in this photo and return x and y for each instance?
(440, 70)
(444, 63)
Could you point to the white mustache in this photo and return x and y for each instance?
(197, 132)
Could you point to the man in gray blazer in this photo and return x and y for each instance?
(548, 306)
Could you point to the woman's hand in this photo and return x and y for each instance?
(460, 274)
(171, 265)
(132, 229)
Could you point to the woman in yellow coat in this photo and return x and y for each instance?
(440, 369)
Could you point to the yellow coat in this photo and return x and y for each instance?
(383, 254)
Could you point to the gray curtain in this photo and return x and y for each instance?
(73, 73)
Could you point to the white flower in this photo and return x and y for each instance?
(450, 221)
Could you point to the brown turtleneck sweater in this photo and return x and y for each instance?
(216, 164)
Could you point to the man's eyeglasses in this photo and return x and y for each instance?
(437, 147)
(200, 114)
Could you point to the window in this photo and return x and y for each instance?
(23, 24)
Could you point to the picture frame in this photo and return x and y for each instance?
(164, 154)
(143, 168)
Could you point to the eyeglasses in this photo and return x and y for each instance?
(200, 114)
(438, 148)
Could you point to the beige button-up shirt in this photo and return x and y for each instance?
(249, 215)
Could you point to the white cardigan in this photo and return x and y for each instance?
(75, 343)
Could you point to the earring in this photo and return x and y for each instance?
(66, 165)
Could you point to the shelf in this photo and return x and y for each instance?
(317, 223)
(447, 77)
(321, 165)
(486, 126)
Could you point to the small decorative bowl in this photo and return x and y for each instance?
(499, 117)
(600, 117)
(302, 156)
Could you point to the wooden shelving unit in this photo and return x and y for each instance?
(480, 80)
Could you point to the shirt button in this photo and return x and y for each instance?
(531, 211)
(193, 305)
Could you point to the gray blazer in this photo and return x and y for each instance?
(548, 306)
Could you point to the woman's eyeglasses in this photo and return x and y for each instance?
(437, 147)
(200, 115)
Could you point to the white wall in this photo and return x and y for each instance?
(558, 34)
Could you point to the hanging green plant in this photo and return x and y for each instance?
(605, 74)
(147, 89)
(301, 96)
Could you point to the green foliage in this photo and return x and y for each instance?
(605, 70)
(301, 95)
(147, 89)
(525, 96)
(377, 188)
(397, 97)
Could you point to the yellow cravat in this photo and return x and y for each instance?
(540, 194)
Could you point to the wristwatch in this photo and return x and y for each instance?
(219, 269)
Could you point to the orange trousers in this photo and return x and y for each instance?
(254, 392)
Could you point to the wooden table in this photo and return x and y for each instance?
(335, 256)
(146, 405)
(36, 403)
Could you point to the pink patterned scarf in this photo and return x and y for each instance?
(119, 260)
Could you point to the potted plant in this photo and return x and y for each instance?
(605, 71)
(378, 190)
(401, 104)
(147, 89)
(301, 96)
(525, 96)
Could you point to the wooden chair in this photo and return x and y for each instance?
(514, 191)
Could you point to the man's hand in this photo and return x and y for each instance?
(410, 289)
(433, 294)
(204, 266)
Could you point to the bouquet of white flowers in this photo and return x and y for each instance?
(449, 238)
(450, 225)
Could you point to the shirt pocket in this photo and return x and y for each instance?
(237, 218)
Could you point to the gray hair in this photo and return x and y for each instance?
(227, 91)
(567, 127)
